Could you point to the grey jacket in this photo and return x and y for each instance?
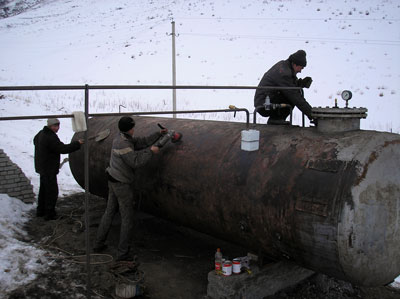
(282, 74)
(128, 153)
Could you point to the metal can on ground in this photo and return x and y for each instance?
(227, 268)
(236, 266)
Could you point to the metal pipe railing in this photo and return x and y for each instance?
(94, 87)
(86, 172)
(131, 113)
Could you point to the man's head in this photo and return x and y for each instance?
(298, 60)
(126, 125)
(53, 124)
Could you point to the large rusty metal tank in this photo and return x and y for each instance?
(329, 201)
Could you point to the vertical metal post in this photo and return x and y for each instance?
(87, 224)
(173, 69)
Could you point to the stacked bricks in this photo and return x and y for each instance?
(13, 181)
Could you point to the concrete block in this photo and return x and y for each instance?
(263, 282)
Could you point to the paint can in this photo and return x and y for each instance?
(236, 266)
(227, 268)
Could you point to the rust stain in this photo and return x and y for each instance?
(374, 155)
(371, 159)
(387, 143)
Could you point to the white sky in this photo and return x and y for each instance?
(350, 44)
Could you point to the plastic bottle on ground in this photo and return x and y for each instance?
(218, 261)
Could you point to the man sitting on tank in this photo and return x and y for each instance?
(277, 104)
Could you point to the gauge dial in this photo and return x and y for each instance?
(346, 95)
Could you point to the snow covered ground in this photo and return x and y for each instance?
(19, 261)
(350, 44)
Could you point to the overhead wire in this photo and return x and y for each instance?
(300, 38)
(287, 19)
(292, 38)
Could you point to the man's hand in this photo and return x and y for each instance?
(155, 149)
(81, 141)
(305, 82)
(164, 131)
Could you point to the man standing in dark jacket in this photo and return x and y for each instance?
(284, 74)
(127, 154)
(48, 148)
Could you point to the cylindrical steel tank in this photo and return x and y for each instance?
(327, 201)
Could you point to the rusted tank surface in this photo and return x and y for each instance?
(328, 201)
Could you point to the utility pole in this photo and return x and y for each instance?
(173, 69)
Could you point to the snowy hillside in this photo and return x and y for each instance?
(350, 44)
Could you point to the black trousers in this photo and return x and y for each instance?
(48, 194)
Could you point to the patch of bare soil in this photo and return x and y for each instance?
(174, 260)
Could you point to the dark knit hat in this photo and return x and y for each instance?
(299, 58)
(126, 123)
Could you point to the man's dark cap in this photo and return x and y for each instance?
(299, 58)
(126, 123)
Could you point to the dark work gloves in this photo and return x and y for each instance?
(305, 82)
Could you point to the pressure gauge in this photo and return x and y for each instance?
(346, 95)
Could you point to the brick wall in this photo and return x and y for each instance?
(13, 181)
